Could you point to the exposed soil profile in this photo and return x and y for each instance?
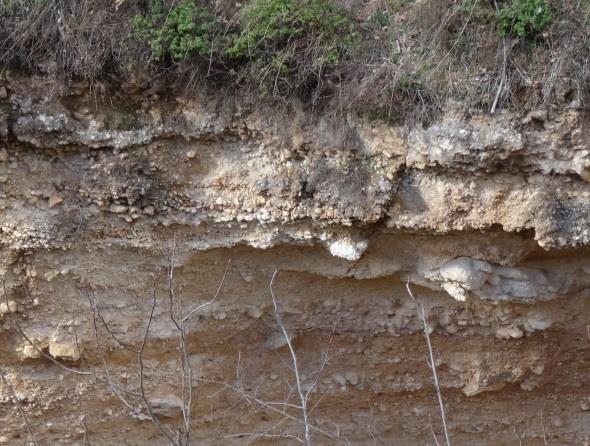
(196, 257)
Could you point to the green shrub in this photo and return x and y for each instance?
(280, 45)
(287, 46)
(184, 30)
(272, 25)
(524, 18)
(379, 19)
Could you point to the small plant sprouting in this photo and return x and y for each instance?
(184, 30)
(524, 18)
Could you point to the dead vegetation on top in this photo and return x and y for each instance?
(389, 59)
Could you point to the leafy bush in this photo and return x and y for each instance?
(524, 18)
(284, 43)
(272, 25)
(285, 46)
(379, 19)
(186, 29)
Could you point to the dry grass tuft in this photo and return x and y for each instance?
(393, 60)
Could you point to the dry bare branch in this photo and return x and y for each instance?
(502, 78)
(299, 412)
(85, 427)
(302, 396)
(115, 390)
(181, 327)
(19, 405)
(270, 406)
(544, 430)
(50, 358)
(432, 363)
(161, 428)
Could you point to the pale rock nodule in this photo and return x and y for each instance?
(348, 249)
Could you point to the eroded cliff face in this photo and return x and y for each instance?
(487, 217)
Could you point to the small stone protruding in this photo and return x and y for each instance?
(8, 307)
(65, 350)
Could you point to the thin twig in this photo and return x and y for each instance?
(284, 408)
(432, 363)
(153, 417)
(503, 75)
(432, 430)
(86, 436)
(37, 349)
(265, 435)
(181, 326)
(19, 405)
(219, 288)
(502, 79)
(108, 328)
(544, 431)
(302, 396)
(270, 407)
(102, 355)
(185, 365)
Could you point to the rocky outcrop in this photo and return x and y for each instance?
(479, 279)
(486, 217)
